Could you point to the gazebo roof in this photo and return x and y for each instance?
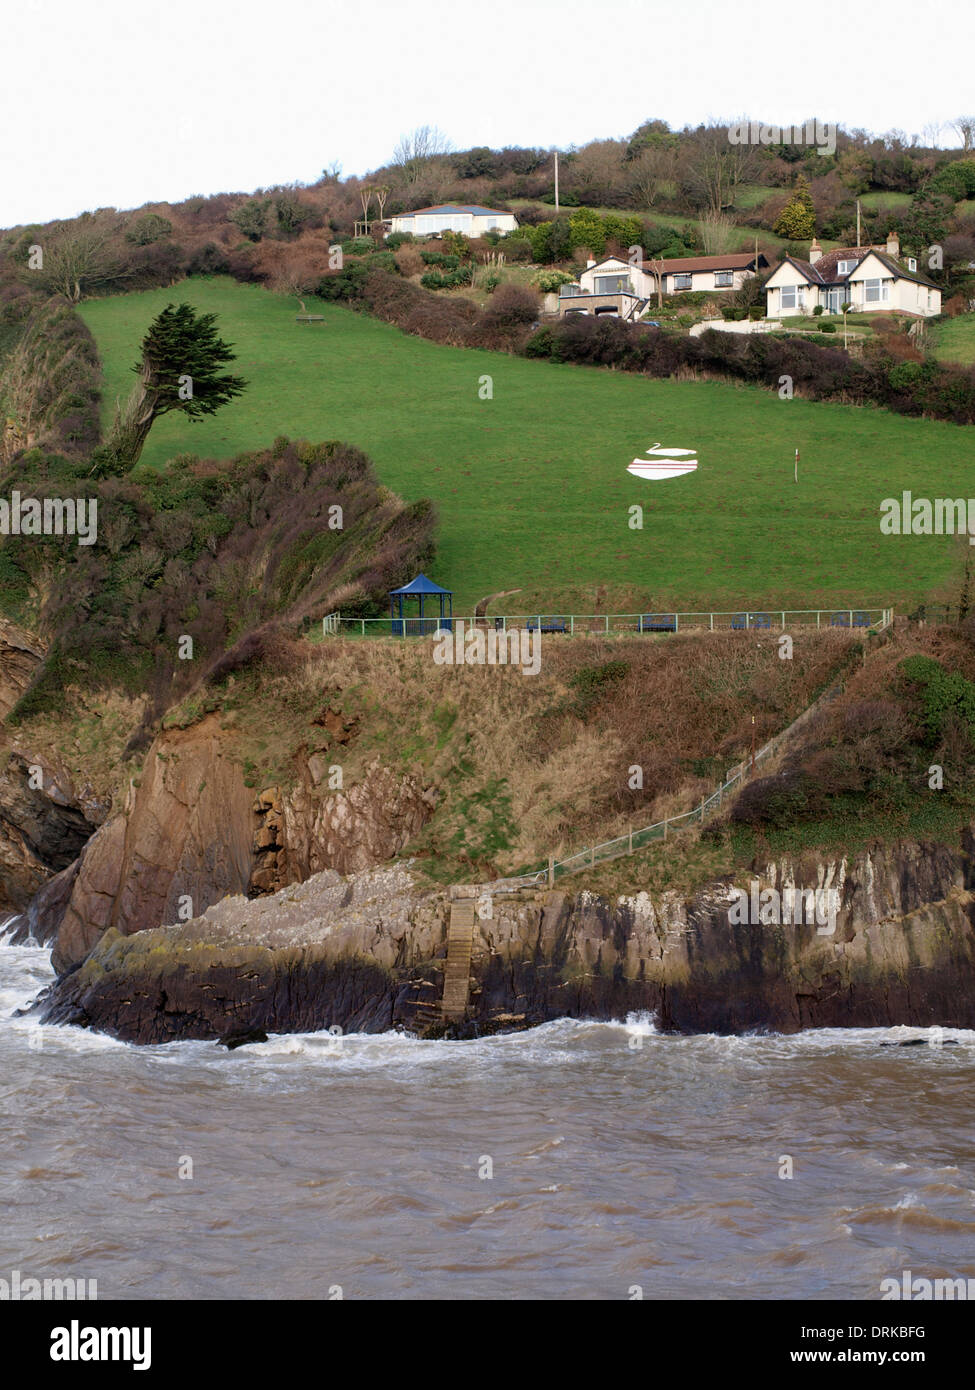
(421, 585)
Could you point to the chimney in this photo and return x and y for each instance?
(815, 251)
(590, 262)
(893, 245)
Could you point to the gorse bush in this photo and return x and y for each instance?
(945, 696)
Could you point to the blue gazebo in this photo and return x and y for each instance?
(420, 588)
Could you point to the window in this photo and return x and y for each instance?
(876, 291)
(724, 279)
(844, 267)
(790, 295)
(612, 284)
(570, 291)
(912, 264)
(683, 282)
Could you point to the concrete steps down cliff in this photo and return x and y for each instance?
(457, 970)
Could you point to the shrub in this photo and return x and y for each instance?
(409, 260)
(445, 280)
(397, 239)
(346, 283)
(145, 230)
(516, 248)
(817, 310)
(207, 260)
(548, 281)
(827, 328)
(511, 305)
(441, 259)
(251, 218)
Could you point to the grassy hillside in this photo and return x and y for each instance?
(954, 340)
(532, 486)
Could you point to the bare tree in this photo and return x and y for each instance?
(365, 198)
(382, 193)
(718, 232)
(646, 171)
(414, 150)
(656, 268)
(965, 126)
(73, 260)
(931, 134)
(714, 167)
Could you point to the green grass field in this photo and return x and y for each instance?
(532, 486)
(954, 340)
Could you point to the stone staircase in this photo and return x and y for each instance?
(457, 969)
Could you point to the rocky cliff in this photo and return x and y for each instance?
(367, 952)
(190, 833)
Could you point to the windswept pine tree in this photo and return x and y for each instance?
(179, 370)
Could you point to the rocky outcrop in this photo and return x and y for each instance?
(20, 656)
(191, 833)
(181, 842)
(44, 824)
(303, 832)
(367, 953)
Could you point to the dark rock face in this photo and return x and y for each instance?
(43, 827)
(367, 953)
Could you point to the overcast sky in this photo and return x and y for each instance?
(117, 104)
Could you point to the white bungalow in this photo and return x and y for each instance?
(871, 278)
(469, 218)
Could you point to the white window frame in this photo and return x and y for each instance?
(725, 283)
(680, 275)
(793, 292)
(876, 291)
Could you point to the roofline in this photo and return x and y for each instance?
(460, 207)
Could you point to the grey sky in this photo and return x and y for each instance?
(117, 104)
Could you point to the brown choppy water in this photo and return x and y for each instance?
(620, 1157)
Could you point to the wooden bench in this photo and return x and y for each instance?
(541, 624)
(658, 622)
(309, 318)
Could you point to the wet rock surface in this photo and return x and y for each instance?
(366, 953)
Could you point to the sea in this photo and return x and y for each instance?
(581, 1159)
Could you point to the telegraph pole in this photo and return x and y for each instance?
(556, 180)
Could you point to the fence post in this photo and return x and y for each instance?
(851, 618)
(606, 623)
(630, 850)
(783, 621)
(592, 857)
(551, 871)
(572, 624)
(640, 624)
(677, 622)
(817, 618)
(363, 621)
(712, 622)
(665, 829)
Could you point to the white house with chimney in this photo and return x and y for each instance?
(871, 278)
